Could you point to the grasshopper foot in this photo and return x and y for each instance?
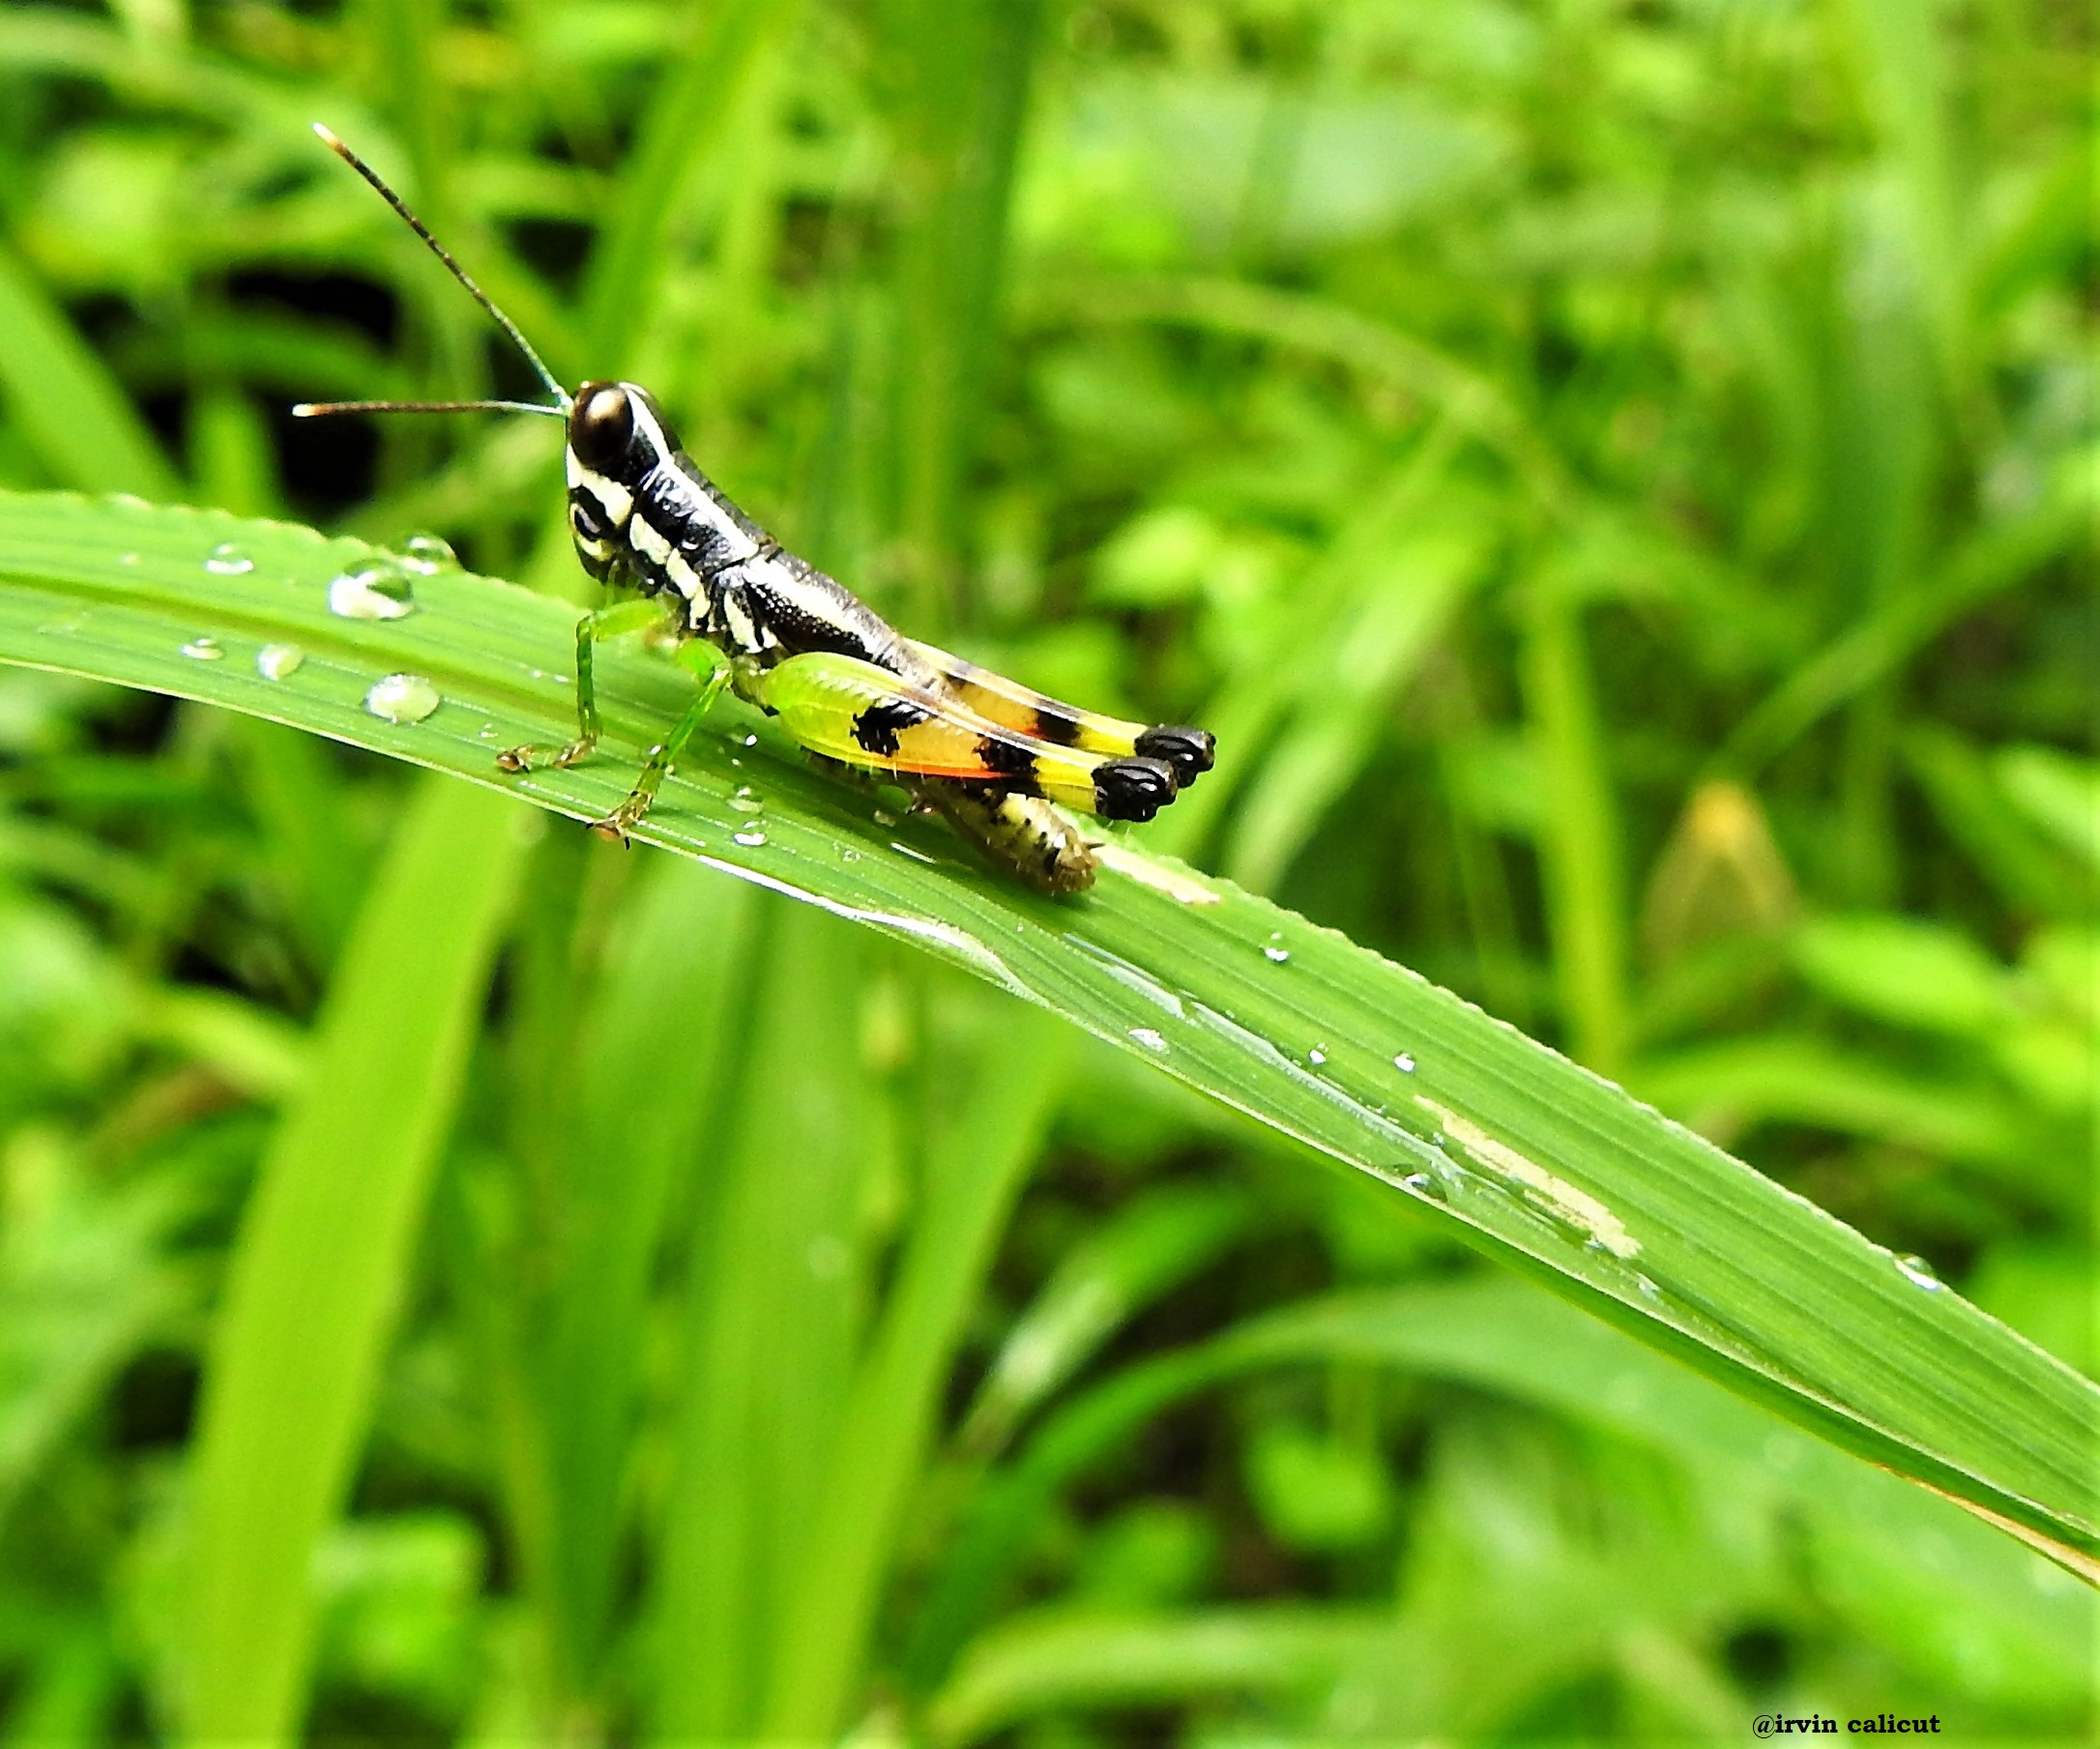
(615, 827)
(530, 758)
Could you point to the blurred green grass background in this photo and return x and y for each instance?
(1616, 480)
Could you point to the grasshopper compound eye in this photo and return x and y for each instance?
(602, 426)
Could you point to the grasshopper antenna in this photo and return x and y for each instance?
(320, 409)
(562, 399)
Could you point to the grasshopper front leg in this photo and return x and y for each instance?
(605, 623)
(657, 765)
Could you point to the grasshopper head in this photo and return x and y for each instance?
(617, 437)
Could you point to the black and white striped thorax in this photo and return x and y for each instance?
(638, 505)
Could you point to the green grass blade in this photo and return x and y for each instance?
(643, 1115)
(685, 120)
(973, 1172)
(960, 75)
(1585, 885)
(1153, 1242)
(778, 1290)
(62, 399)
(1541, 1164)
(323, 1254)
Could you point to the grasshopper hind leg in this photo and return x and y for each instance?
(1021, 833)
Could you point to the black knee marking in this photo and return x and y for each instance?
(1059, 728)
(1190, 751)
(1133, 789)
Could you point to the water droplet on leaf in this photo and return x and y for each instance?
(424, 555)
(371, 591)
(278, 661)
(402, 698)
(227, 559)
(203, 650)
